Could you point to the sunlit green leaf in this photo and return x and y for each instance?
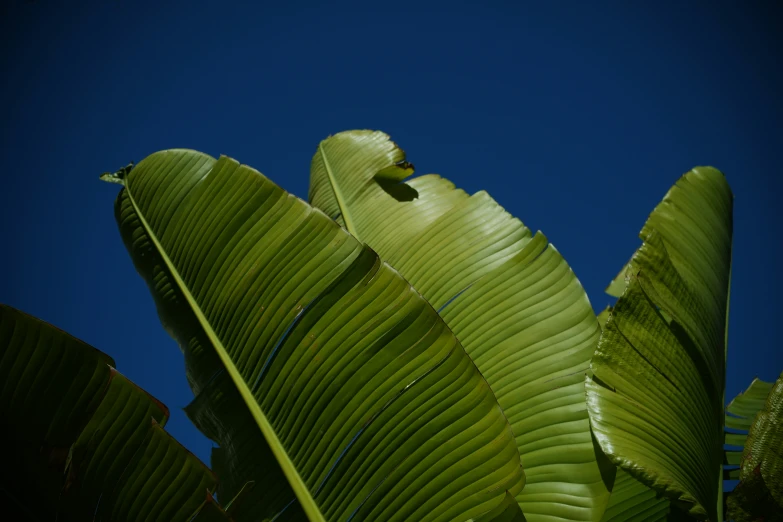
(507, 511)
(509, 297)
(656, 395)
(292, 329)
(630, 499)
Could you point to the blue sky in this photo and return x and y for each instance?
(577, 119)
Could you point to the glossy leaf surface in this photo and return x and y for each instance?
(656, 394)
(739, 416)
(630, 499)
(292, 329)
(509, 297)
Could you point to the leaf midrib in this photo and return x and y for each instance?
(289, 469)
(338, 195)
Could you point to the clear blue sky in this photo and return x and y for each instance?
(576, 119)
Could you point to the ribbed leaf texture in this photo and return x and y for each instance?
(739, 416)
(292, 329)
(507, 511)
(759, 494)
(630, 499)
(656, 395)
(508, 296)
(83, 442)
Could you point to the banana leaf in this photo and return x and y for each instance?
(759, 494)
(83, 442)
(508, 296)
(368, 406)
(507, 511)
(630, 499)
(655, 396)
(739, 416)
(633, 501)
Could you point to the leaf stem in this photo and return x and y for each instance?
(338, 194)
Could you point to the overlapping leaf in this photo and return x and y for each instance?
(603, 316)
(82, 442)
(655, 397)
(507, 511)
(739, 415)
(759, 494)
(509, 297)
(633, 501)
(630, 499)
(293, 329)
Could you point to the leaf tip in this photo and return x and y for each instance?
(119, 176)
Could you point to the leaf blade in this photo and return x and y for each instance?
(759, 494)
(660, 364)
(275, 289)
(465, 254)
(76, 457)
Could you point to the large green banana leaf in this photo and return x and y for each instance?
(507, 511)
(508, 296)
(82, 442)
(759, 494)
(739, 416)
(630, 499)
(656, 394)
(292, 329)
